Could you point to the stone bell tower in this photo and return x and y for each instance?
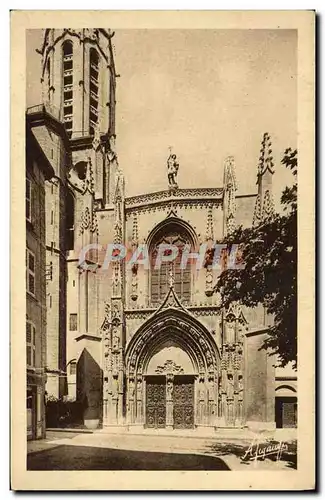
(78, 84)
(79, 89)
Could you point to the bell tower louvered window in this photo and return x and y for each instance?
(93, 90)
(68, 86)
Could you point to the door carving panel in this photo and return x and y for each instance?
(183, 402)
(156, 402)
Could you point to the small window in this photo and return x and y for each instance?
(68, 85)
(73, 322)
(67, 110)
(67, 49)
(67, 65)
(73, 368)
(30, 271)
(28, 200)
(30, 344)
(49, 271)
(67, 95)
(94, 58)
(67, 80)
(48, 67)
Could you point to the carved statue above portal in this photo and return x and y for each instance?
(172, 170)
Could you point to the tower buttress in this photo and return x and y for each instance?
(264, 205)
(229, 200)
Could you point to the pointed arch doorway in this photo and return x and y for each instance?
(169, 384)
(172, 368)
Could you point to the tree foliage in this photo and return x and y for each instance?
(269, 275)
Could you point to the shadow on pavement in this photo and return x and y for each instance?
(90, 458)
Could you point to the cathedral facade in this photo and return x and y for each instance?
(137, 343)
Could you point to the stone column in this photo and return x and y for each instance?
(120, 389)
(140, 399)
(115, 400)
(130, 404)
(222, 418)
(109, 385)
(212, 406)
(201, 400)
(83, 301)
(169, 401)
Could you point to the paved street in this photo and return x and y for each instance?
(90, 458)
(103, 451)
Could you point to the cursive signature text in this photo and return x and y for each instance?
(261, 449)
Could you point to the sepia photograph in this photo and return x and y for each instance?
(161, 245)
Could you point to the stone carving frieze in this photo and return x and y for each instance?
(196, 310)
(195, 193)
(169, 367)
(161, 206)
(88, 221)
(188, 198)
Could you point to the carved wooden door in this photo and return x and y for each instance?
(156, 402)
(183, 402)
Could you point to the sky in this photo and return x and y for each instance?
(205, 93)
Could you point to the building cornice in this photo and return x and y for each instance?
(88, 336)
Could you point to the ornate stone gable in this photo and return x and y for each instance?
(171, 300)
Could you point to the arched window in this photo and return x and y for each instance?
(161, 276)
(93, 90)
(67, 50)
(48, 72)
(69, 221)
(73, 367)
